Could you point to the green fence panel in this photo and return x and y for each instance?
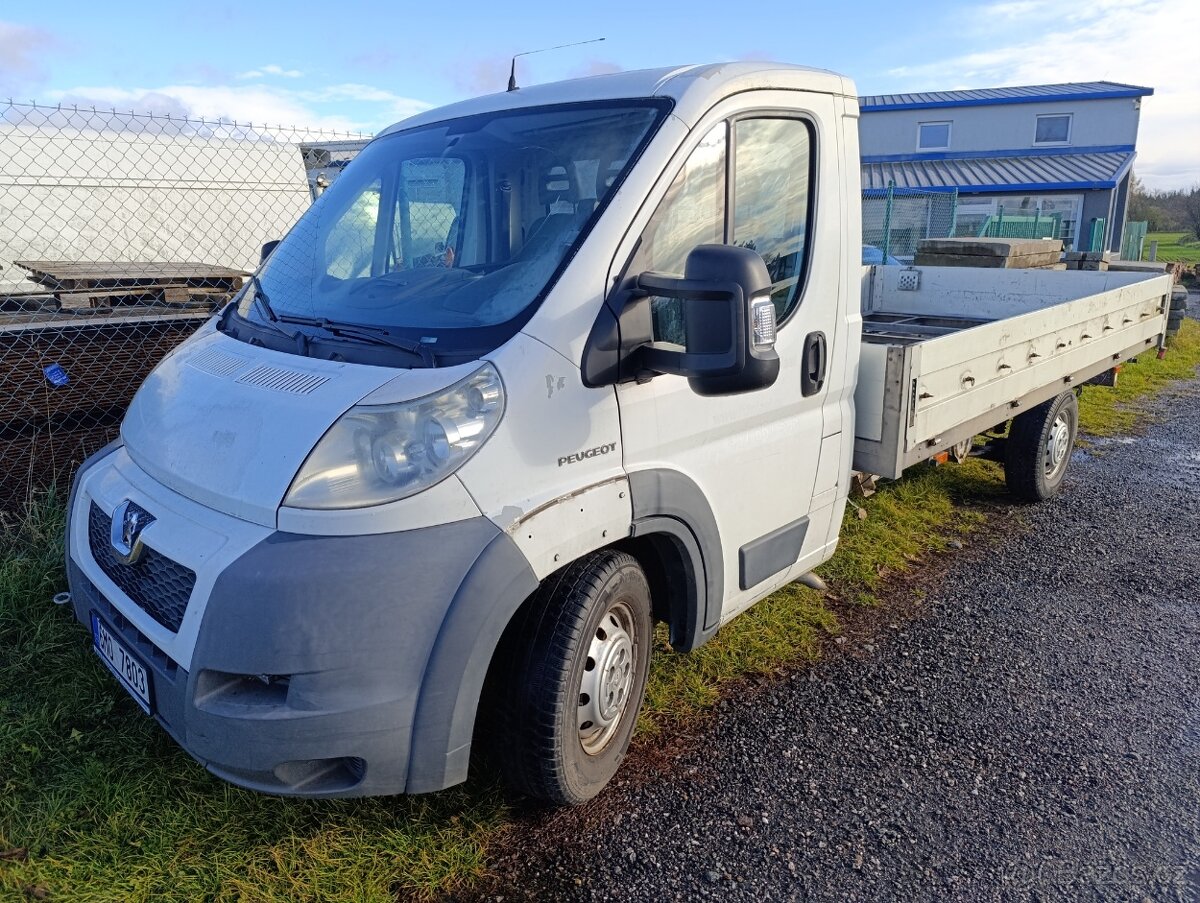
(895, 220)
(1134, 240)
(1040, 225)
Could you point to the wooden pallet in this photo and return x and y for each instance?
(84, 285)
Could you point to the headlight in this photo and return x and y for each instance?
(380, 453)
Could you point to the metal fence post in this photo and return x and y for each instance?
(887, 220)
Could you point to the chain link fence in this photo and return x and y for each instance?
(120, 233)
(894, 220)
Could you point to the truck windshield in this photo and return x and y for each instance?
(447, 232)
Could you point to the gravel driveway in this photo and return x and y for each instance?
(1032, 732)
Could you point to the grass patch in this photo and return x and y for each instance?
(1106, 412)
(111, 810)
(1174, 247)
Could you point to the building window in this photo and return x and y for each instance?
(933, 136)
(1053, 129)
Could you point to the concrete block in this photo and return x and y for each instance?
(1022, 261)
(1138, 266)
(990, 247)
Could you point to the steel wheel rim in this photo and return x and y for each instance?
(1058, 445)
(607, 681)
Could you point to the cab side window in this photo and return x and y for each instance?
(772, 162)
(692, 213)
(771, 172)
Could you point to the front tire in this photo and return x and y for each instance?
(1039, 448)
(571, 672)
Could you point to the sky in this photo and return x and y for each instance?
(361, 66)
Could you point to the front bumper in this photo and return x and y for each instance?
(302, 664)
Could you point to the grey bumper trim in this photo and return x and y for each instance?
(382, 643)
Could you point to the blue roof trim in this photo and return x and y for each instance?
(996, 189)
(927, 100)
(1040, 186)
(1120, 173)
(1036, 172)
(1017, 152)
(901, 192)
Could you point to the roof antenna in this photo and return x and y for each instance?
(512, 72)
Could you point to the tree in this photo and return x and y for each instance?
(1191, 211)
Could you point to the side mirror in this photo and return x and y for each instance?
(266, 251)
(728, 322)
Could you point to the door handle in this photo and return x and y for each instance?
(812, 367)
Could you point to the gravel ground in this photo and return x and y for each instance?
(1031, 732)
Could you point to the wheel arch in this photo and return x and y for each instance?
(495, 588)
(675, 538)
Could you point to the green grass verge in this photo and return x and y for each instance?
(1106, 412)
(1174, 247)
(111, 810)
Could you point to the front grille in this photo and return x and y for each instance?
(158, 585)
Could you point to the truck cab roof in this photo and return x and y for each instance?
(693, 88)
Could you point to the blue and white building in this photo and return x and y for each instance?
(1061, 153)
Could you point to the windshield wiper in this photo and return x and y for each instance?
(259, 297)
(367, 334)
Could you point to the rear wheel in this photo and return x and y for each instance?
(1038, 450)
(571, 673)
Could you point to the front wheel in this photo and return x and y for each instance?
(1039, 448)
(571, 672)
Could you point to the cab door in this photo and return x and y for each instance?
(759, 171)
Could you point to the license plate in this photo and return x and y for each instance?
(129, 671)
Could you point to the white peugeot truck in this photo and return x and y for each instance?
(540, 370)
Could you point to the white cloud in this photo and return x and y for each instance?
(346, 107)
(21, 48)
(1041, 41)
(486, 74)
(271, 70)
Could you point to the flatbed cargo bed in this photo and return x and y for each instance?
(948, 352)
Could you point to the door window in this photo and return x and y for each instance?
(772, 168)
(691, 214)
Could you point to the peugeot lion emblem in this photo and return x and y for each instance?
(128, 522)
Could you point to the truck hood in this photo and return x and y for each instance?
(228, 424)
